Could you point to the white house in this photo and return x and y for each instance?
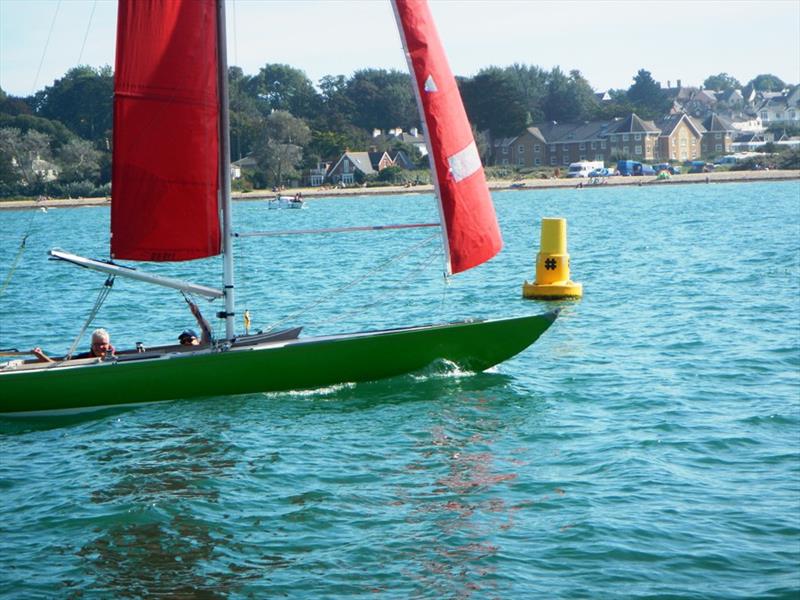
(780, 108)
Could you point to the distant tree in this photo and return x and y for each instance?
(331, 144)
(9, 172)
(20, 149)
(584, 100)
(531, 83)
(767, 83)
(569, 98)
(646, 96)
(246, 121)
(722, 83)
(392, 175)
(789, 159)
(13, 106)
(79, 161)
(337, 108)
(81, 100)
(556, 106)
(618, 106)
(57, 133)
(788, 130)
(493, 102)
(483, 143)
(281, 87)
(382, 99)
(281, 150)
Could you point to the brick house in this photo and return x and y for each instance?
(634, 138)
(677, 137)
(501, 151)
(718, 136)
(554, 144)
(680, 138)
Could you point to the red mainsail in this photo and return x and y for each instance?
(165, 174)
(470, 224)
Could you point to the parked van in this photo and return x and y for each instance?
(633, 167)
(625, 167)
(583, 168)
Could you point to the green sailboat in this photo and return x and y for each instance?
(170, 111)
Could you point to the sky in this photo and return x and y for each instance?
(607, 41)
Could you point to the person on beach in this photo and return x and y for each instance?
(189, 337)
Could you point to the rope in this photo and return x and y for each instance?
(444, 293)
(101, 297)
(386, 264)
(20, 251)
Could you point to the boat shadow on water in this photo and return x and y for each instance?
(16, 425)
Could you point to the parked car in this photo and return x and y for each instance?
(604, 172)
(700, 166)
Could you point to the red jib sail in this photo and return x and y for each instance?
(165, 170)
(469, 221)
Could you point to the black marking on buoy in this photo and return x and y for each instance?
(550, 264)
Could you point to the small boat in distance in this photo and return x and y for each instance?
(170, 113)
(279, 201)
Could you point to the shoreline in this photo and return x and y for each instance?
(494, 186)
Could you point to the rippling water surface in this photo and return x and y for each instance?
(648, 445)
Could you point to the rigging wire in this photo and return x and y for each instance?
(101, 297)
(46, 44)
(381, 267)
(88, 28)
(414, 272)
(20, 251)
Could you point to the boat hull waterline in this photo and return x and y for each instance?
(299, 364)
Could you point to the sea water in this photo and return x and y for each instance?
(648, 445)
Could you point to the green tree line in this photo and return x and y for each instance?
(279, 117)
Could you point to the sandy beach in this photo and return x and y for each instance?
(522, 184)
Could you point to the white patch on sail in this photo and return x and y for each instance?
(430, 84)
(465, 163)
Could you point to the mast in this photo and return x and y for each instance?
(225, 174)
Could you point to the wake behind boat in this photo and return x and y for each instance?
(170, 100)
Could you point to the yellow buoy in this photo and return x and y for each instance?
(552, 265)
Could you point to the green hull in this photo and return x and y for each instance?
(298, 364)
